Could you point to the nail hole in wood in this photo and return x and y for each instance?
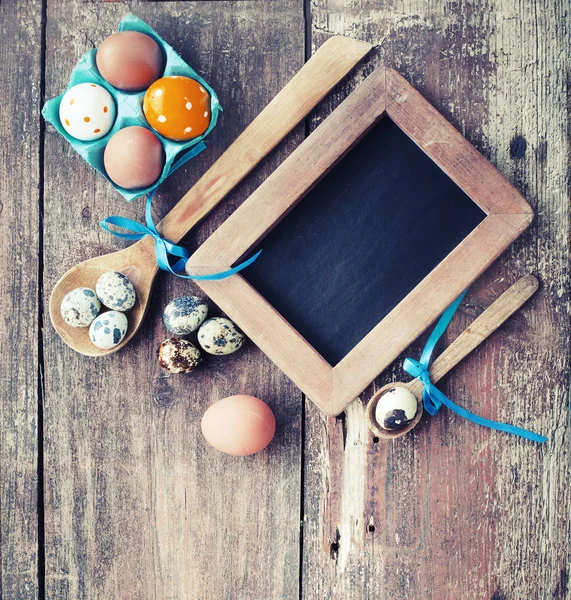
(334, 550)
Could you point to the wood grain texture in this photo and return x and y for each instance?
(288, 184)
(137, 506)
(460, 161)
(454, 510)
(20, 60)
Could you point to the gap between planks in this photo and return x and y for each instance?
(41, 361)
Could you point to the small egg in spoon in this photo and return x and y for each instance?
(394, 410)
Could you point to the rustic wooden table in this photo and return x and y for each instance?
(107, 488)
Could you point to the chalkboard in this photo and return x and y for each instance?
(369, 229)
(361, 240)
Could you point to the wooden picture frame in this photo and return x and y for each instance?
(383, 93)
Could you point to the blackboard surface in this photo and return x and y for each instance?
(361, 240)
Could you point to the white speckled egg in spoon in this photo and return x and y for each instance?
(79, 307)
(116, 291)
(396, 408)
(108, 329)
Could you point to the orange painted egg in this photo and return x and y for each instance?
(239, 425)
(177, 107)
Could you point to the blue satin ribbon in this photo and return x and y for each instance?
(433, 398)
(163, 247)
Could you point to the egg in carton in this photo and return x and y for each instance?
(129, 109)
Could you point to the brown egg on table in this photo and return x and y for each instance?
(134, 158)
(239, 425)
(177, 107)
(130, 60)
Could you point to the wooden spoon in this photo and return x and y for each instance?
(334, 59)
(498, 312)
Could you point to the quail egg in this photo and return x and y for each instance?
(79, 307)
(116, 291)
(178, 356)
(396, 408)
(185, 314)
(220, 336)
(108, 329)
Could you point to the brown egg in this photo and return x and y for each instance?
(134, 158)
(239, 425)
(130, 60)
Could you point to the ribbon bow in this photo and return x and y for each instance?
(433, 398)
(164, 247)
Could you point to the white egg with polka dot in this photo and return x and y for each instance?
(87, 112)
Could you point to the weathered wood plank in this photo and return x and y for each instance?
(20, 73)
(456, 511)
(137, 506)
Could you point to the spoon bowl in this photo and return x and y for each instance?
(137, 262)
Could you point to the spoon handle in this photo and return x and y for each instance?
(332, 61)
(498, 312)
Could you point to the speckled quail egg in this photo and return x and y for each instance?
(178, 356)
(396, 408)
(79, 307)
(185, 314)
(116, 291)
(220, 336)
(108, 329)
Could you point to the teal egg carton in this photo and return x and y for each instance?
(130, 108)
